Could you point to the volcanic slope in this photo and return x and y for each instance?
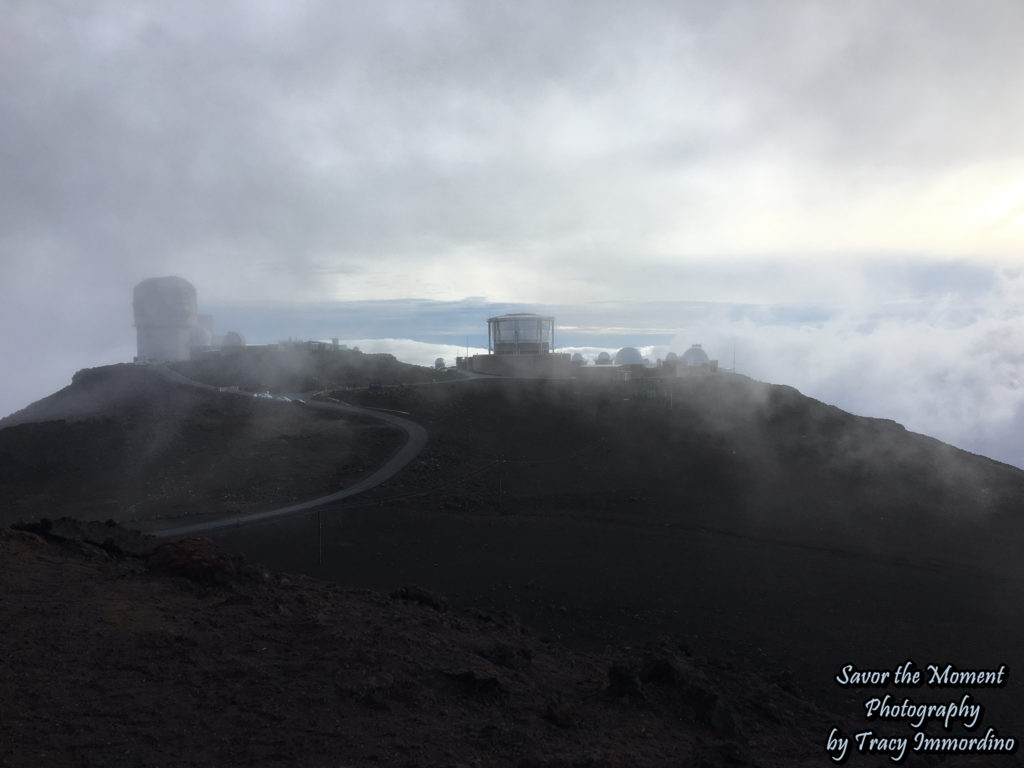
(722, 452)
(738, 517)
(125, 653)
(125, 442)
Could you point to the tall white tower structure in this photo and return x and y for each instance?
(166, 317)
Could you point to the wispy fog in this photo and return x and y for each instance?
(833, 190)
(950, 365)
(957, 378)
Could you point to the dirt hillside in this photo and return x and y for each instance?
(125, 653)
(711, 550)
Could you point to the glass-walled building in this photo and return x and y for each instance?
(520, 334)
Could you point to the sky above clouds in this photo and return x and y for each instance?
(835, 189)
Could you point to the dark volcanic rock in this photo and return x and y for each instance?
(195, 558)
(415, 594)
(623, 681)
(112, 539)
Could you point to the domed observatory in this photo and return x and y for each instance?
(695, 355)
(629, 356)
(629, 363)
(695, 361)
(165, 317)
(604, 359)
(233, 340)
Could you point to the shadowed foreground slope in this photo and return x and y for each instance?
(184, 656)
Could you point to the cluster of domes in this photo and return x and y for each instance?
(694, 356)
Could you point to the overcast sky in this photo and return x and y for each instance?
(850, 174)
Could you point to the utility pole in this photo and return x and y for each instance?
(319, 537)
(500, 462)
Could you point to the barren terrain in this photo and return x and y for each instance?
(188, 659)
(630, 574)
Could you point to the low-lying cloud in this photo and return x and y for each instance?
(829, 189)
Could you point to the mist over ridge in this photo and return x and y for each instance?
(947, 367)
(828, 197)
(835, 192)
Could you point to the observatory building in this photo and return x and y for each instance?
(168, 325)
(695, 355)
(232, 340)
(520, 334)
(628, 363)
(166, 319)
(520, 344)
(629, 356)
(694, 361)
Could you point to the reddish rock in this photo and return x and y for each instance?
(195, 558)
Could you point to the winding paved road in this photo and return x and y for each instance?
(416, 440)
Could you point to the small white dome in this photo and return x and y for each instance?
(694, 356)
(629, 356)
(233, 339)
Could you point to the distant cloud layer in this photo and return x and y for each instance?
(841, 185)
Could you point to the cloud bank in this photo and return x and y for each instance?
(836, 189)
